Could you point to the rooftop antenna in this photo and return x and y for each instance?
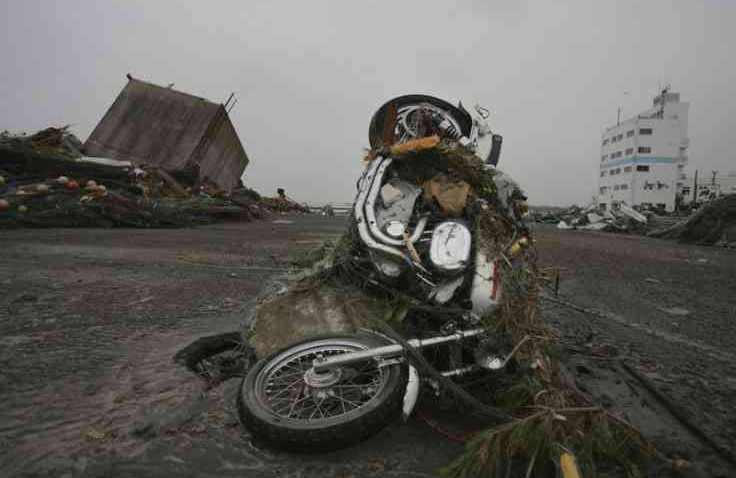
(620, 109)
(232, 105)
(229, 98)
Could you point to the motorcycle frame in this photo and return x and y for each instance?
(392, 350)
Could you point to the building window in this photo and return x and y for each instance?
(624, 186)
(603, 173)
(602, 206)
(605, 142)
(641, 168)
(620, 137)
(603, 190)
(627, 169)
(645, 150)
(629, 134)
(615, 188)
(629, 151)
(604, 157)
(645, 131)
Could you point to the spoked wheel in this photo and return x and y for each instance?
(285, 403)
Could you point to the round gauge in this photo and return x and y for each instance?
(450, 246)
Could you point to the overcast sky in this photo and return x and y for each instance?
(309, 74)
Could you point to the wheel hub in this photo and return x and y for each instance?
(323, 379)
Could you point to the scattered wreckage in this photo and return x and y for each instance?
(433, 287)
(624, 220)
(713, 223)
(46, 181)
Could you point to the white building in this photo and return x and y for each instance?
(643, 158)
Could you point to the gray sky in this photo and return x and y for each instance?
(309, 74)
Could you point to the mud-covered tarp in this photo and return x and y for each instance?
(301, 313)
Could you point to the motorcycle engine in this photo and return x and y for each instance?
(415, 241)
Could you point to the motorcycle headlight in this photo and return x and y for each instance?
(449, 250)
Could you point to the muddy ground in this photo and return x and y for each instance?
(90, 321)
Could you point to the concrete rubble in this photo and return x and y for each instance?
(714, 223)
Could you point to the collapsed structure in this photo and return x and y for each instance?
(158, 158)
(159, 126)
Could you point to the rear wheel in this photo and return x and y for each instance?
(286, 404)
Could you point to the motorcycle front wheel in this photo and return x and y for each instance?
(285, 404)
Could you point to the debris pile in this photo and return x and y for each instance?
(549, 420)
(46, 181)
(624, 220)
(713, 223)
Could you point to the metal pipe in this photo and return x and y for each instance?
(460, 371)
(368, 179)
(392, 350)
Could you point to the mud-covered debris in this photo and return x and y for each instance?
(713, 223)
(48, 182)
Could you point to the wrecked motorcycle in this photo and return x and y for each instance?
(411, 221)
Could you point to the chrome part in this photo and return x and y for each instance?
(391, 350)
(460, 371)
(411, 394)
(391, 361)
(491, 361)
(411, 120)
(387, 266)
(401, 197)
(450, 130)
(390, 193)
(322, 379)
(369, 177)
(482, 112)
(369, 208)
(449, 250)
(395, 229)
(293, 390)
(365, 217)
(446, 289)
(488, 361)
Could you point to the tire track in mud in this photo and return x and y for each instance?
(693, 381)
(142, 395)
(676, 339)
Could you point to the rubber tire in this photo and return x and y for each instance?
(270, 430)
(375, 130)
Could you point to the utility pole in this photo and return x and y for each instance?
(713, 179)
(695, 189)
